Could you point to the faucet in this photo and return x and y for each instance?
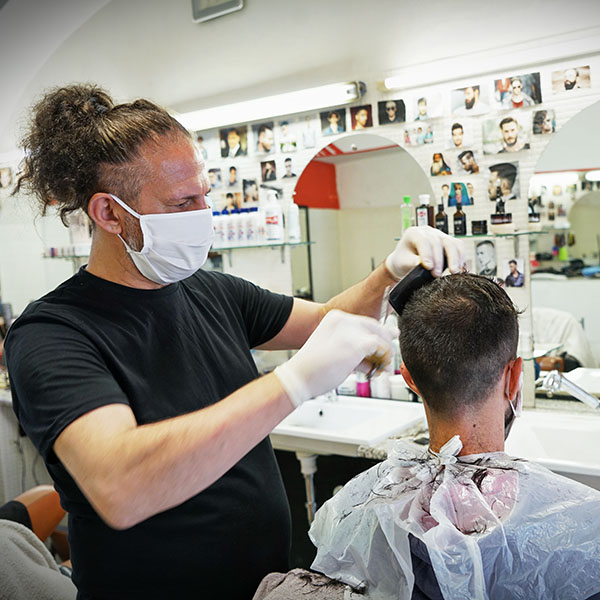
(555, 381)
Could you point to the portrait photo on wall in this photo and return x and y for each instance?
(518, 91)
(250, 191)
(288, 169)
(309, 131)
(426, 107)
(264, 137)
(459, 193)
(514, 273)
(391, 112)
(205, 142)
(6, 177)
(439, 166)
(232, 176)
(543, 121)
(503, 183)
(333, 121)
(461, 134)
(485, 258)
(361, 117)
(287, 136)
(570, 79)
(214, 177)
(231, 201)
(417, 134)
(234, 141)
(505, 134)
(468, 162)
(471, 100)
(268, 171)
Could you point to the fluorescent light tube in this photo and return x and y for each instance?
(272, 106)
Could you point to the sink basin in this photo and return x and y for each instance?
(351, 420)
(563, 442)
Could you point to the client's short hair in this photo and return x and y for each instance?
(456, 336)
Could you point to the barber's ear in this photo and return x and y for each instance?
(408, 379)
(101, 210)
(513, 378)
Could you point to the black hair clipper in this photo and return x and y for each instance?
(407, 286)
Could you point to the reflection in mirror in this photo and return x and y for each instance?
(353, 189)
(565, 258)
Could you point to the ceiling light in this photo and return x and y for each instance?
(272, 106)
(593, 175)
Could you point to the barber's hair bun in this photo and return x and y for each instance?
(79, 143)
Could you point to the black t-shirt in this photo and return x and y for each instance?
(163, 352)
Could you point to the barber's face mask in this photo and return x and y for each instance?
(517, 408)
(175, 246)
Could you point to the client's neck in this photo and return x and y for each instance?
(480, 430)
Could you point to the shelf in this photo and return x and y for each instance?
(492, 234)
(228, 249)
(265, 245)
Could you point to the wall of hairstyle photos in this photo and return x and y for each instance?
(466, 136)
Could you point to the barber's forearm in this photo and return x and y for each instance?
(364, 298)
(150, 468)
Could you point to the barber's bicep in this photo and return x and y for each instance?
(303, 319)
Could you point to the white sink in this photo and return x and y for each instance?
(563, 442)
(351, 420)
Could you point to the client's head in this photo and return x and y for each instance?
(457, 335)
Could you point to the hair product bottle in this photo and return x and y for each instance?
(405, 212)
(441, 219)
(424, 212)
(460, 220)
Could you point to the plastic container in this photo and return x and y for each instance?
(398, 388)
(293, 223)
(273, 219)
(252, 226)
(230, 230)
(406, 213)
(363, 386)
(242, 226)
(219, 229)
(348, 386)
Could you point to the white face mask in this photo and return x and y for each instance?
(517, 409)
(175, 246)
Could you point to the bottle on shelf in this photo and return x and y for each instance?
(460, 220)
(293, 223)
(230, 230)
(405, 213)
(441, 219)
(219, 228)
(273, 219)
(424, 212)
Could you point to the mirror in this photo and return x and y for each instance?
(353, 189)
(566, 257)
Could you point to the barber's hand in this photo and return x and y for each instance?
(425, 246)
(336, 347)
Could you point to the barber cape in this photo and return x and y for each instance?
(495, 527)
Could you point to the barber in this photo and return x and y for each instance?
(134, 377)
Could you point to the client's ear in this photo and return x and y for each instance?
(408, 379)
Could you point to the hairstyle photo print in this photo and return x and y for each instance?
(391, 112)
(471, 100)
(571, 79)
(333, 121)
(518, 91)
(234, 141)
(505, 134)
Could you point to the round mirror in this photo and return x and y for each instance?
(353, 190)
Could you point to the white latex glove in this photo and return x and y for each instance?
(336, 347)
(425, 246)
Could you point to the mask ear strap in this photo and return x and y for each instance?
(123, 205)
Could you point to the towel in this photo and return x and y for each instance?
(27, 569)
